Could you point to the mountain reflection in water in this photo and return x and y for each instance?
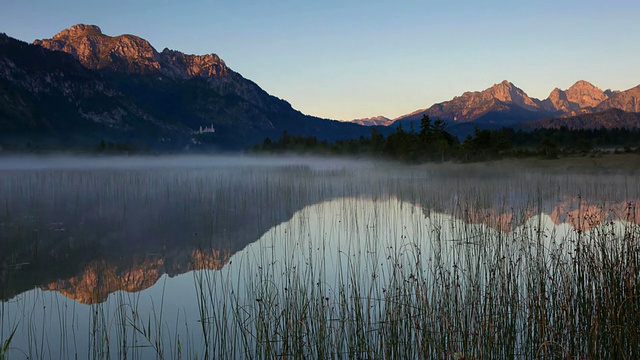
(88, 232)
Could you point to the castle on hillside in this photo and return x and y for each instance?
(206, 129)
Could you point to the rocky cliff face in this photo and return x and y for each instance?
(95, 50)
(579, 98)
(507, 93)
(628, 100)
(585, 94)
(183, 66)
(558, 100)
(130, 53)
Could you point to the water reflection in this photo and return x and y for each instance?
(90, 232)
(104, 236)
(87, 232)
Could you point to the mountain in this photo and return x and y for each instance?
(125, 53)
(93, 283)
(580, 96)
(49, 98)
(133, 55)
(82, 88)
(608, 119)
(373, 121)
(628, 100)
(504, 103)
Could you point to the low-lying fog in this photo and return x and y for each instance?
(34, 162)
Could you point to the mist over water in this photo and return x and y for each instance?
(30, 162)
(82, 239)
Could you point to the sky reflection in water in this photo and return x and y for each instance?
(81, 240)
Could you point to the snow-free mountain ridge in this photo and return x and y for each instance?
(506, 104)
(84, 89)
(373, 121)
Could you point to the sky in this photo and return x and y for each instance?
(355, 59)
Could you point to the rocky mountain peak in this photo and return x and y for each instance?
(558, 95)
(504, 84)
(556, 91)
(501, 91)
(501, 98)
(185, 66)
(628, 100)
(509, 93)
(582, 83)
(123, 53)
(83, 90)
(557, 101)
(78, 30)
(576, 99)
(132, 54)
(585, 94)
(507, 103)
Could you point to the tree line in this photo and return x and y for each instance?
(433, 142)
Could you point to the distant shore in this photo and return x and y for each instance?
(600, 162)
(605, 163)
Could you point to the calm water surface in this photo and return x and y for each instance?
(115, 257)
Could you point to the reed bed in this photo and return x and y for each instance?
(438, 288)
(365, 263)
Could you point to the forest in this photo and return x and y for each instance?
(433, 143)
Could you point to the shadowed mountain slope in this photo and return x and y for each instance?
(92, 87)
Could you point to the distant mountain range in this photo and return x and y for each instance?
(505, 104)
(82, 87)
(373, 121)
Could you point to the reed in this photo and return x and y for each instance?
(445, 263)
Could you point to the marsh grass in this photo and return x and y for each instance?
(5, 339)
(530, 293)
(474, 291)
(361, 264)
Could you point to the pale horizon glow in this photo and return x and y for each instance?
(368, 58)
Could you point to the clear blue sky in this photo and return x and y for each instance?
(353, 59)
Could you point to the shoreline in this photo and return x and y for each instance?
(607, 162)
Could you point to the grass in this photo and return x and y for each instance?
(450, 263)
(7, 343)
(485, 294)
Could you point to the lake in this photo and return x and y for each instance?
(263, 257)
